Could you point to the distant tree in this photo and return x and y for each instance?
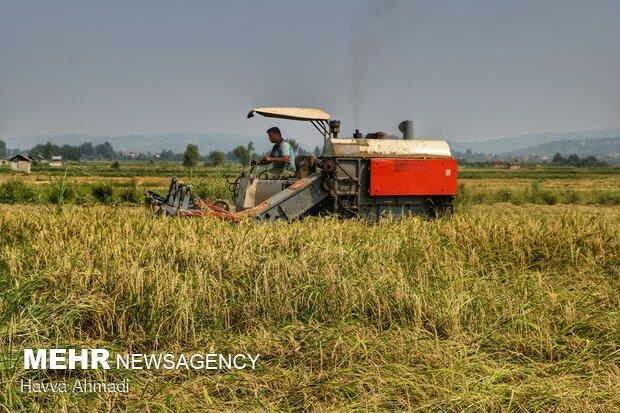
(167, 155)
(251, 149)
(574, 160)
(591, 161)
(69, 152)
(2, 149)
(216, 158)
(243, 155)
(36, 150)
(49, 150)
(104, 150)
(317, 151)
(293, 144)
(191, 157)
(45, 150)
(87, 150)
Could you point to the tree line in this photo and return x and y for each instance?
(74, 153)
(575, 160)
(69, 152)
(190, 158)
(243, 154)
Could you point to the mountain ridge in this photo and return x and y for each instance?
(515, 143)
(600, 147)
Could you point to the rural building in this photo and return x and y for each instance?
(21, 163)
(56, 161)
(4, 162)
(514, 165)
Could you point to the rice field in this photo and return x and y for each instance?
(97, 182)
(501, 307)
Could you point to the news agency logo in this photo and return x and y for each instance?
(99, 358)
(66, 359)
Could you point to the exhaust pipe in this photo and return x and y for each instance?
(406, 127)
(334, 128)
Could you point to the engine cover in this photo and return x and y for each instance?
(394, 177)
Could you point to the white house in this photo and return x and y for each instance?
(56, 161)
(21, 163)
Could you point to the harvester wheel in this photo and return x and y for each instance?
(329, 165)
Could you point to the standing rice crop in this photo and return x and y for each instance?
(494, 309)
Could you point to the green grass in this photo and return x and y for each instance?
(18, 191)
(134, 168)
(498, 308)
(547, 172)
(128, 169)
(534, 193)
(128, 191)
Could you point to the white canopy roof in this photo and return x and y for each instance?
(291, 113)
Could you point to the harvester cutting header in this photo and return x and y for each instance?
(368, 176)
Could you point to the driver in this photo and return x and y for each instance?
(282, 157)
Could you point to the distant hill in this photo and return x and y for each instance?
(516, 143)
(599, 147)
(154, 143)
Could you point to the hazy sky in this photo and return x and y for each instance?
(465, 70)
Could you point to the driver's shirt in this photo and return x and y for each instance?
(283, 149)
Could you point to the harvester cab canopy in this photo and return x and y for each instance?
(318, 117)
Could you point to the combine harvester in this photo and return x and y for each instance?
(362, 176)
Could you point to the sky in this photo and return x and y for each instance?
(462, 70)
